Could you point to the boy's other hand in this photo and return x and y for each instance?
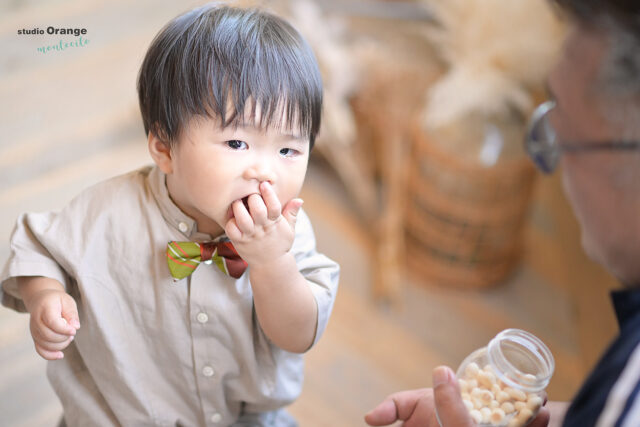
(54, 322)
(265, 231)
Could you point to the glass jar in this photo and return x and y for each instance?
(503, 383)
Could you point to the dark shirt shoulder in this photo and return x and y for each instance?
(613, 385)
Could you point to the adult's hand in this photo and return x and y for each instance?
(448, 401)
(419, 407)
(414, 407)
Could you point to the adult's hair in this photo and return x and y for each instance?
(620, 19)
(225, 62)
(627, 12)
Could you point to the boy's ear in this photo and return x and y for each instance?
(160, 153)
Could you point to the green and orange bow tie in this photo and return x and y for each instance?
(184, 257)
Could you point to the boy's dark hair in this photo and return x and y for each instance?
(218, 60)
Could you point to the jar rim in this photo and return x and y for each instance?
(510, 374)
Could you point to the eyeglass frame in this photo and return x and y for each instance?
(546, 157)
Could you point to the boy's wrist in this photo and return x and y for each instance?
(279, 263)
(30, 287)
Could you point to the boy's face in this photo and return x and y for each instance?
(211, 167)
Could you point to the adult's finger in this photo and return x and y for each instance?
(446, 394)
(406, 405)
(416, 406)
(424, 413)
(383, 414)
(542, 419)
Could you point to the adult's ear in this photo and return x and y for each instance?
(160, 153)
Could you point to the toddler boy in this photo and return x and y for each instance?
(196, 281)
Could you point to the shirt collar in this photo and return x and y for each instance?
(177, 219)
(626, 303)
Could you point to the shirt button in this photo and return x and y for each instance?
(216, 418)
(183, 227)
(207, 371)
(202, 317)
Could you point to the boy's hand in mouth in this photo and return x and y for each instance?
(260, 229)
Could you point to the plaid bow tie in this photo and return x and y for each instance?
(184, 257)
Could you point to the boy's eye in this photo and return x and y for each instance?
(288, 152)
(236, 144)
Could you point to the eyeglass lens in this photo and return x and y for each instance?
(541, 143)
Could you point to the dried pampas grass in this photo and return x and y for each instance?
(328, 37)
(498, 53)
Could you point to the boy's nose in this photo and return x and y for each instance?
(260, 172)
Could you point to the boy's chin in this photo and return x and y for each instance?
(211, 227)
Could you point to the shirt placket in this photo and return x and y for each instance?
(207, 367)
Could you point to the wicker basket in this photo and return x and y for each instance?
(464, 221)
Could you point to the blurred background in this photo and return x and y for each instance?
(418, 185)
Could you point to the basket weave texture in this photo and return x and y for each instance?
(464, 222)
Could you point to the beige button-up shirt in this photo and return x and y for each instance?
(152, 351)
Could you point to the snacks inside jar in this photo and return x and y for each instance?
(503, 384)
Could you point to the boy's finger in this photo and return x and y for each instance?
(257, 209)
(290, 211)
(274, 208)
(70, 312)
(232, 231)
(52, 319)
(242, 217)
(55, 346)
(48, 355)
(42, 333)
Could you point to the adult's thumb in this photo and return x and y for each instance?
(541, 420)
(448, 402)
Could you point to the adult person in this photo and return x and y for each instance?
(591, 127)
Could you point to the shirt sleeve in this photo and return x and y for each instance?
(321, 273)
(28, 256)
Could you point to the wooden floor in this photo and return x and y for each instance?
(69, 119)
